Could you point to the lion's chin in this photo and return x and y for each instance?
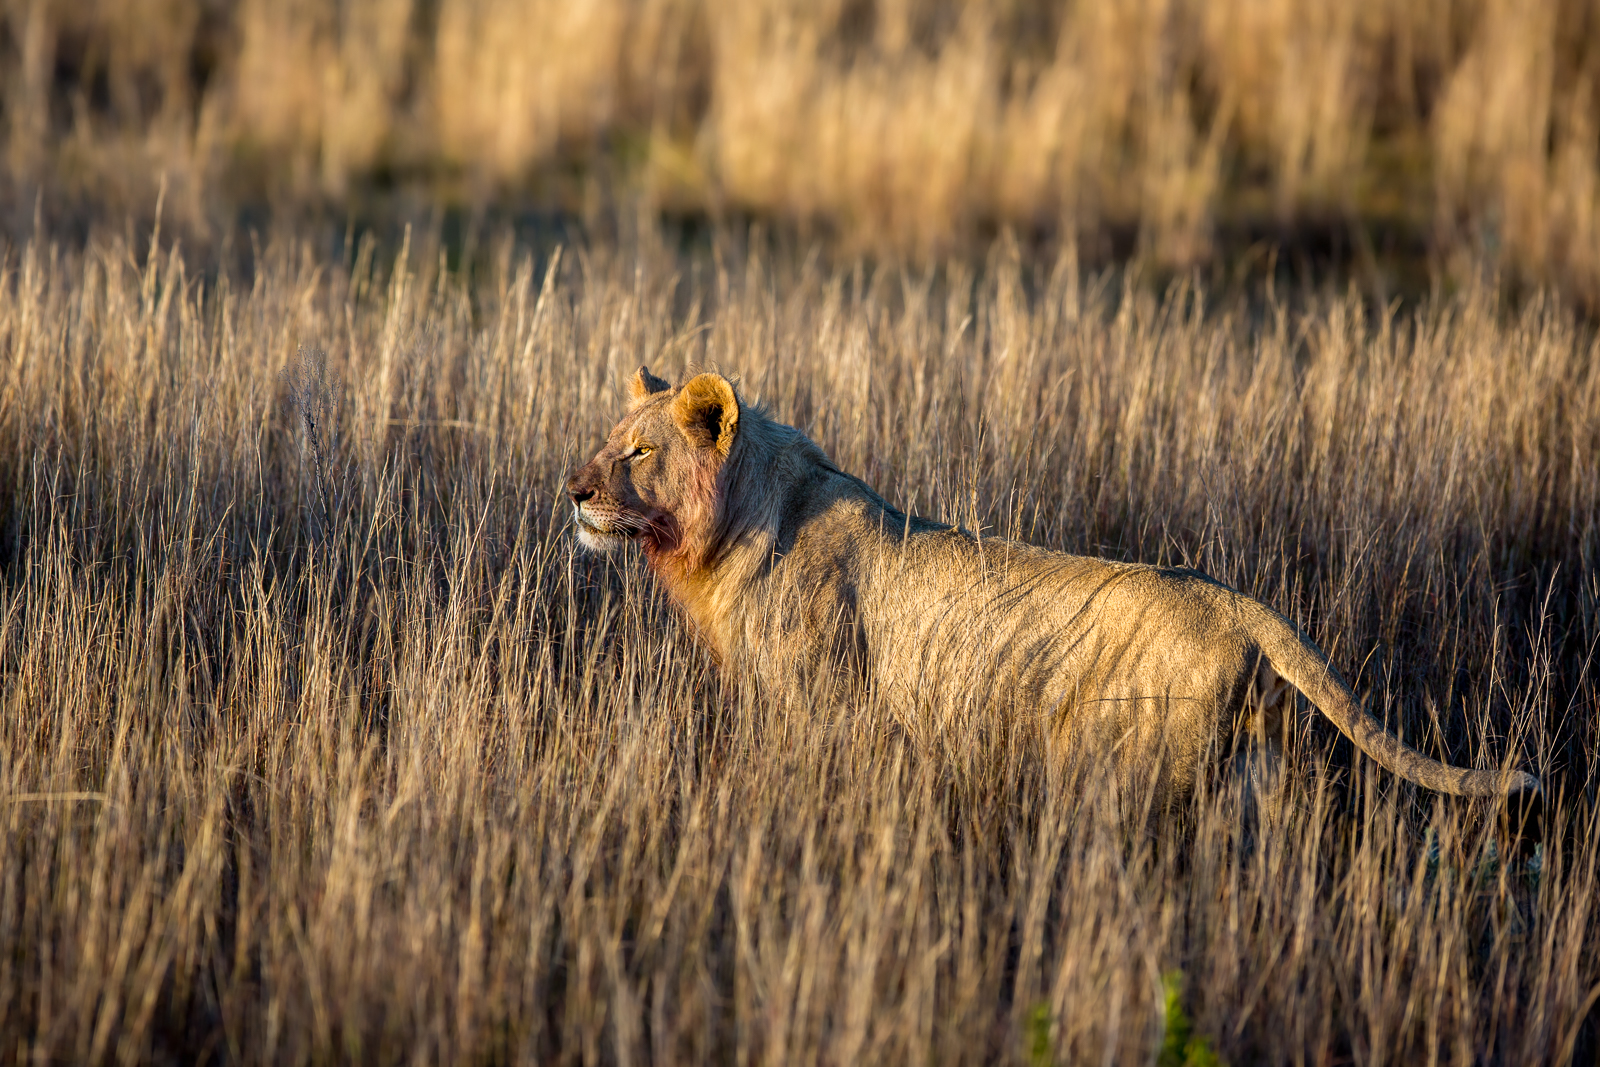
(594, 538)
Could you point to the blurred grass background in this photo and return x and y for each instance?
(1410, 142)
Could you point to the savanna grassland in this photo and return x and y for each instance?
(321, 742)
(1402, 137)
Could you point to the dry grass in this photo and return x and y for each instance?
(374, 767)
(1460, 133)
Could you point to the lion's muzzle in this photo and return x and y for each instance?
(594, 533)
(581, 485)
(597, 536)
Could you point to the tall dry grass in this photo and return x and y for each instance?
(1456, 133)
(320, 742)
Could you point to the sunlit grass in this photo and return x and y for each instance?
(336, 749)
(1405, 140)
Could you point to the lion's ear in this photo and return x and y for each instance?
(707, 411)
(642, 385)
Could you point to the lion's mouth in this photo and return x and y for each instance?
(597, 536)
(588, 525)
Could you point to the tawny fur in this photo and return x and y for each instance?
(802, 577)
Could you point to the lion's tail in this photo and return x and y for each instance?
(1304, 666)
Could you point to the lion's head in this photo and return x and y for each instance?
(656, 479)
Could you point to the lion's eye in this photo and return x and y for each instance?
(641, 451)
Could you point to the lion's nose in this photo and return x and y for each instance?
(579, 494)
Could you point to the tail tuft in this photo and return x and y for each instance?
(1522, 782)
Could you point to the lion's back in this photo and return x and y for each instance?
(1103, 653)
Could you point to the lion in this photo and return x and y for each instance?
(799, 575)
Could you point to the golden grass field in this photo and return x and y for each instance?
(332, 747)
(1401, 135)
(321, 742)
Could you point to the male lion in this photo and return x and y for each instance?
(799, 574)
